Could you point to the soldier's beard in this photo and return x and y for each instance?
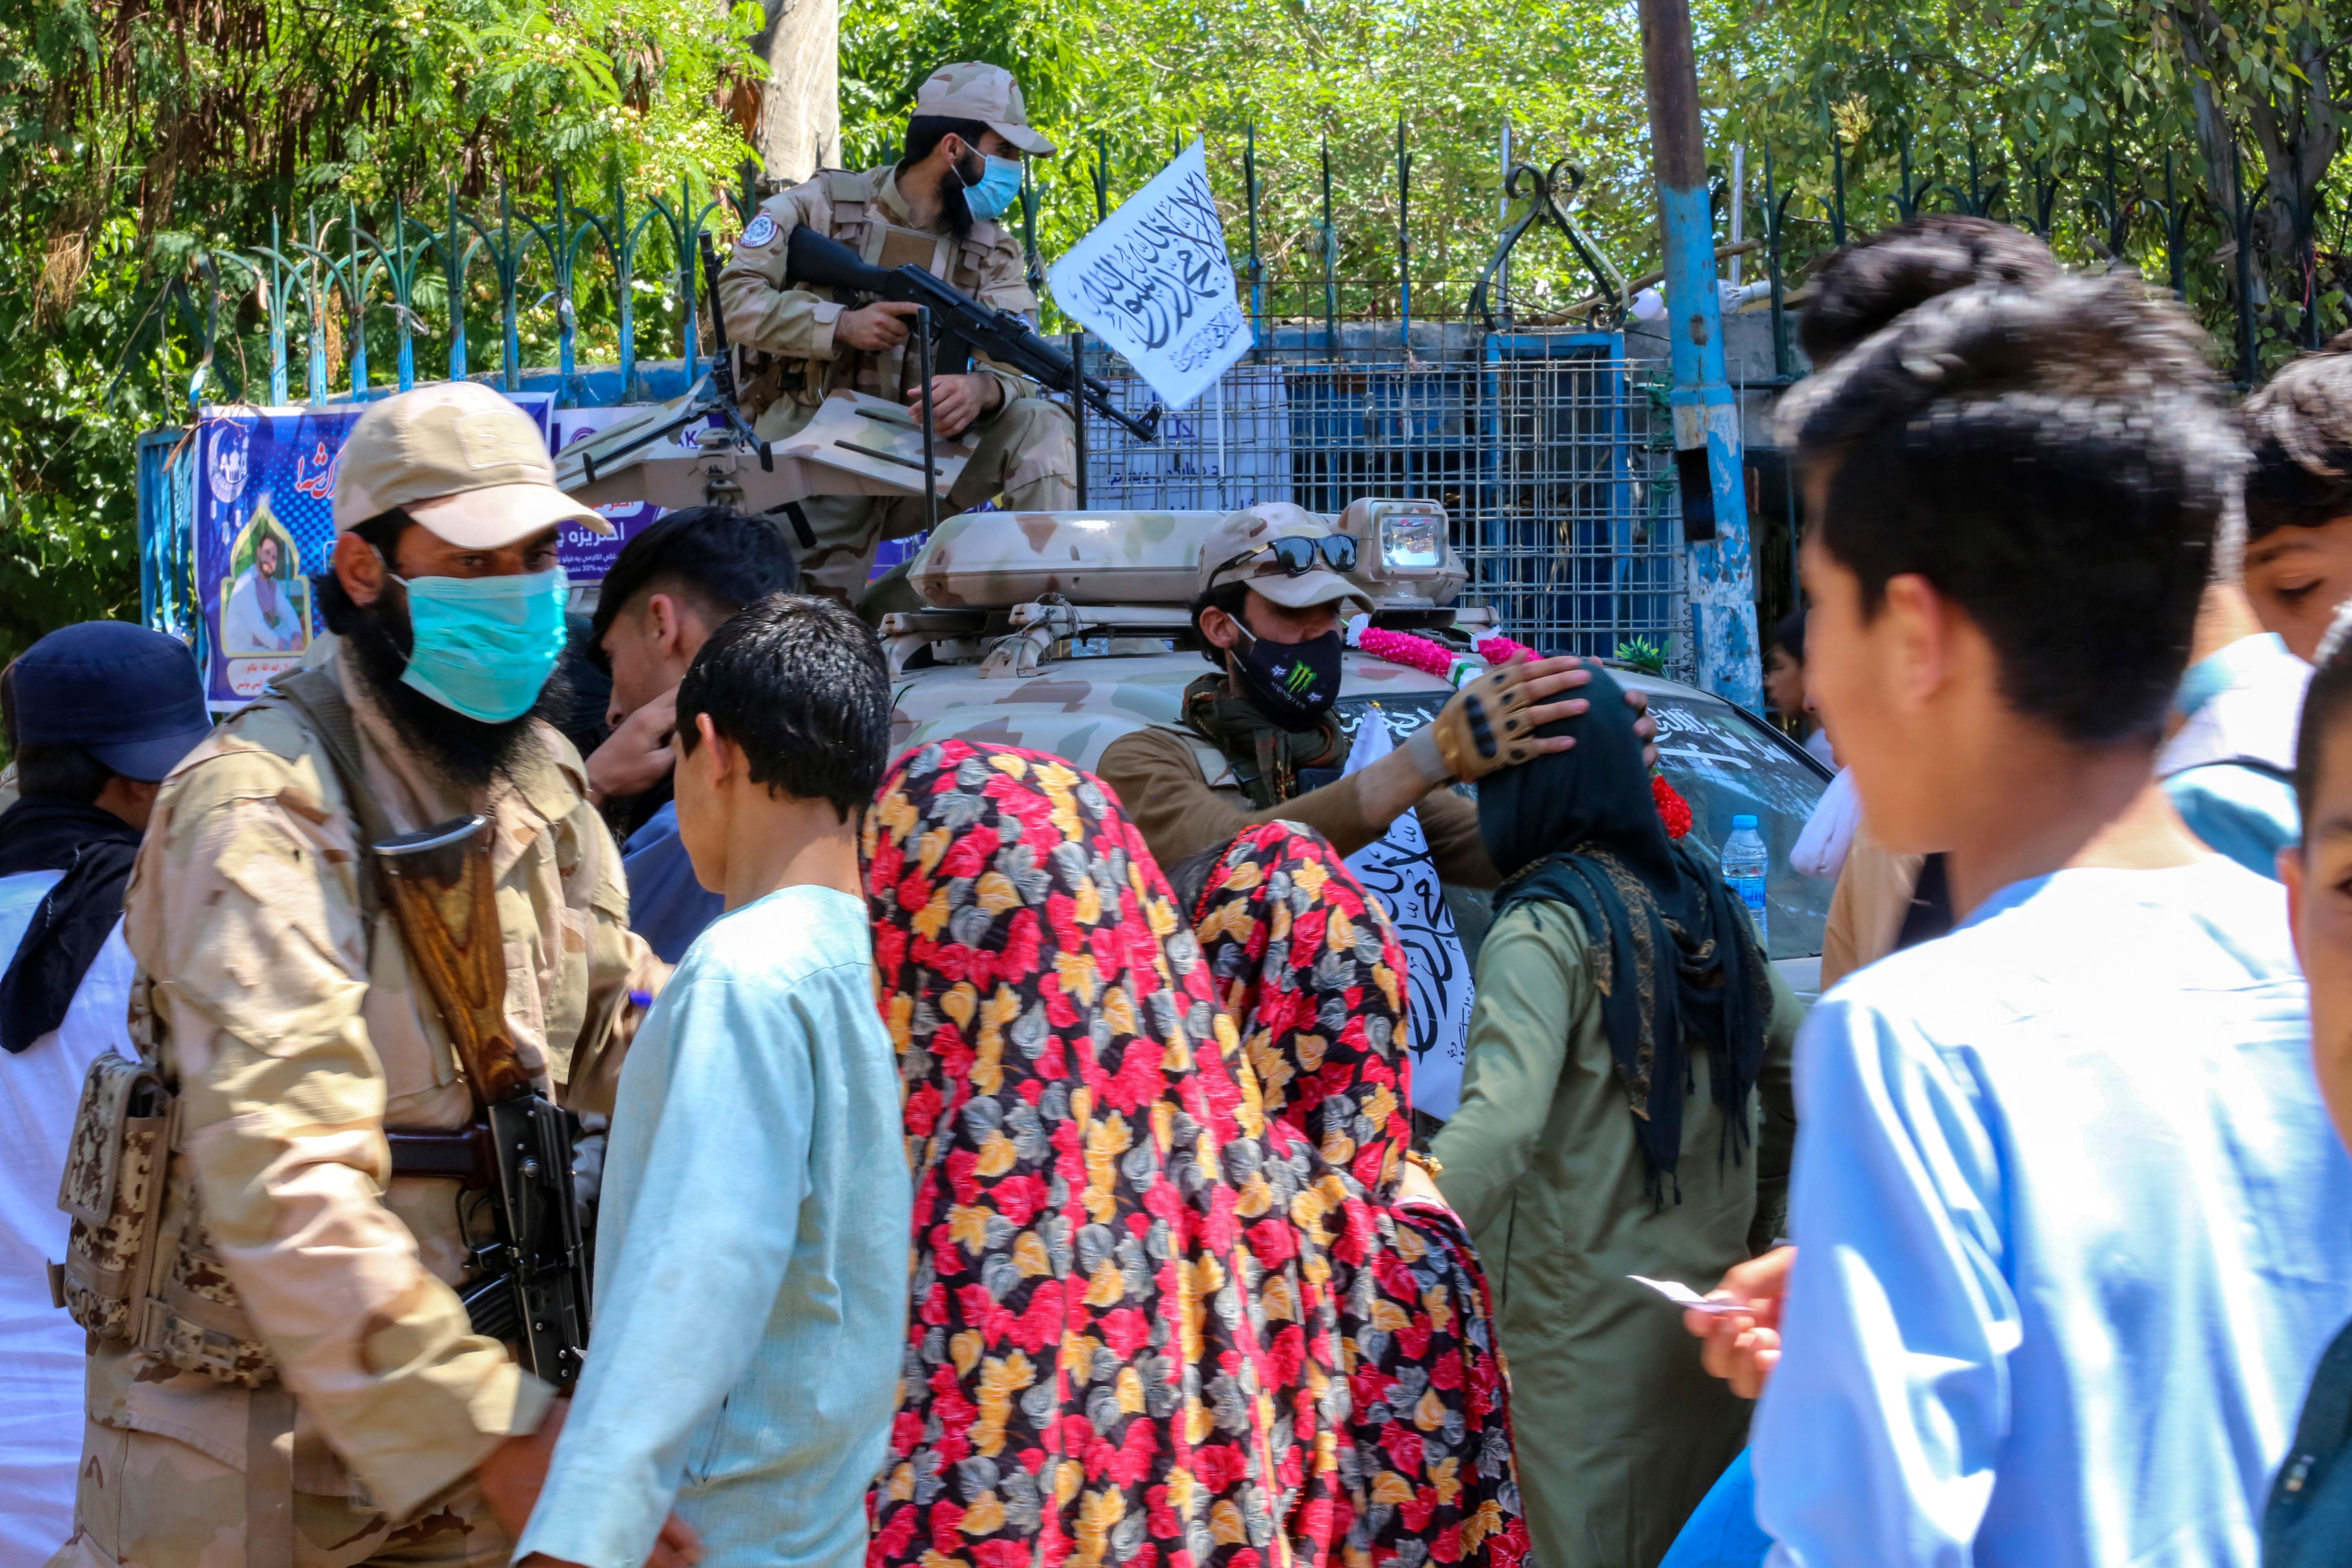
(952, 206)
(464, 752)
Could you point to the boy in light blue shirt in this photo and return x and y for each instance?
(750, 1290)
(2069, 1222)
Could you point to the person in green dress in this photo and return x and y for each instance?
(1625, 1110)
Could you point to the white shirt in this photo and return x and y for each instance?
(2245, 701)
(41, 1350)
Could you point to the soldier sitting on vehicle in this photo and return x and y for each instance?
(937, 209)
(279, 1365)
(1272, 595)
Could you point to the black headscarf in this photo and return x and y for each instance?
(94, 848)
(1674, 955)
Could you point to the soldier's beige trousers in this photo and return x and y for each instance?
(146, 1502)
(1028, 457)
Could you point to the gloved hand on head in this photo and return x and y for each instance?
(1491, 723)
(1484, 726)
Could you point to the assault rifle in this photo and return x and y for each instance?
(964, 325)
(529, 1285)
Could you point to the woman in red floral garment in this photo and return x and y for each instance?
(1313, 975)
(1123, 1348)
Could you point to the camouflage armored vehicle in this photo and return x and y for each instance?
(1062, 631)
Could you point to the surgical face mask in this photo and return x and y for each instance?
(485, 646)
(998, 187)
(1292, 683)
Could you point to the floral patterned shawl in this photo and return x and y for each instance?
(1310, 968)
(1123, 1346)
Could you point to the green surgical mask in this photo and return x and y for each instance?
(485, 646)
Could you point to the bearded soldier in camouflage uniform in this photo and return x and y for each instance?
(296, 1381)
(938, 208)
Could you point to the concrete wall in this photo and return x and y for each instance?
(1747, 360)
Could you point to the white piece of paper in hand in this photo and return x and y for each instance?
(1153, 280)
(1396, 869)
(1683, 1296)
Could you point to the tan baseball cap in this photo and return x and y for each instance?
(974, 90)
(458, 459)
(1228, 555)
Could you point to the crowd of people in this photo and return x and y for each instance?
(991, 1164)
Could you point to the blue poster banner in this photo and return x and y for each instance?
(264, 526)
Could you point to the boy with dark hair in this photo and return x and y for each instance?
(750, 1252)
(673, 584)
(1882, 901)
(2065, 1254)
(2299, 495)
(1866, 285)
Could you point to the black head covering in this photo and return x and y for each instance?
(94, 848)
(1677, 960)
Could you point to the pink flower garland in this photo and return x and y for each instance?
(1500, 649)
(1403, 647)
(1431, 658)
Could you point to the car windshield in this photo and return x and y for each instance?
(1726, 765)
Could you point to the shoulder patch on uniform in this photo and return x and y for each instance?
(761, 231)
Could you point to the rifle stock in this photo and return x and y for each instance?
(443, 895)
(967, 325)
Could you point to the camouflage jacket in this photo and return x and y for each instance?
(864, 211)
(293, 1037)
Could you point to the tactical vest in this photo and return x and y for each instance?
(862, 223)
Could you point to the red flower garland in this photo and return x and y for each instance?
(1673, 809)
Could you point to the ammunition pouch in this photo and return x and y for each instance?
(140, 1264)
(121, 1279)
(113, 1188)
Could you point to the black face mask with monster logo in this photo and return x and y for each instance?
(1292, 683)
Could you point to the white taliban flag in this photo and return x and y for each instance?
(1154, 283)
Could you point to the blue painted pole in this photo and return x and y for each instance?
(281, 279)
(453, 260)
(1706, 411)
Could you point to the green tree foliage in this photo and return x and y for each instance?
(1129, 84)
(2066, 117)
(144, 143)
(2048, 98)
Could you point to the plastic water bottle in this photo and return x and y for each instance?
(1744, 862)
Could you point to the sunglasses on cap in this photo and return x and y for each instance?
(1296, 554)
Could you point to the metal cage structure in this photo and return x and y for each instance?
(1551, 453)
